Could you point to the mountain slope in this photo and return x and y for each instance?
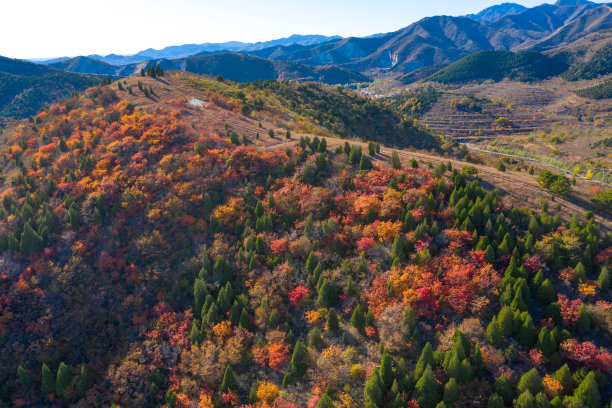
(494, 13)
(493, 64)
(85, 65)
(26, 87)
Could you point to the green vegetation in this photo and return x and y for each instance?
(497, 65)
(339, 111)
(25, 90)
(600, 64)
(557, 183)
(600, 91)
(414, 103)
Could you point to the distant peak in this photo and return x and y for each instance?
(572, 2)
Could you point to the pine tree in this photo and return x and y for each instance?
(530, 381)
(494, 332)
(74, 217)
(603, 282)
(386, 370)
(541, 401)
(409, 318)
(365, 163)
(48, 382)
(584, 320)
(477, 361)
(24, 377)
(526, 335)
(564, 376)
(31, 242)
(229, 380)
(325, 402)
(373, 390)
(505, 321)
(588, 393)
(495, 401)
(504, 388)
(298, 363)
(525, 400)
(326, 293)
(450, 392)
(426, 390)
(358, 317)
(395, 160)
(63, 379)
(546, 343)
(332, 320)
(546, 292)
(83, 384)
(426, 359)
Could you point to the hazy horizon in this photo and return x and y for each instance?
(72, 27)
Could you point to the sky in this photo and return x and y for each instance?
(56, 28)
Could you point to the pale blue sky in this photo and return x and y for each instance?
(47, 28)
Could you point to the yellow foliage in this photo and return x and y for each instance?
(223, 329)
(552, 387)
(313, 316)
(587, 289)
(267, 391)
(387, 230)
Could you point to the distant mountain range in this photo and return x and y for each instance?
(432, 41)
(568, 34)
(186, 50)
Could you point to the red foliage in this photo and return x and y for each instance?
(298, 294)
(569, 309)
(279, 246)
(278, 355)
(370, 331)
(365, 244)
(533, 264)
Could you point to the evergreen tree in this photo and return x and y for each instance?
(373, 390)
(530, 381)
(365, 163)
(298, 363)
(48, 382)
(546, 292)
(395, 160)
(603, 282)
(564, 376)
(494, 332)
(229, 380)
(546, 343)
(584, 320)
(527, 336)
(386, 370)
(505, 321)
(332, 320)
(541, 401)
(495, 401)
(63, 379)
(24, 377)
(504, 388)
(450, 392)
(31, 242)
(83, 384)
(358, 317)
(325, 402)
(525, 400)
(426, 390)
(426, 359)
(477, 361)
(588, 393)
(326, 293)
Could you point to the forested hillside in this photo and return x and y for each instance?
(148, 261)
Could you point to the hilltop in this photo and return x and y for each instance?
(166, 242)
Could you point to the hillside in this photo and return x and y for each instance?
(599, 64)
(153, 257)
(497, 65)
(234, 66)
(26, 87)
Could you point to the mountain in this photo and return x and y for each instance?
(86, 65)
(26, 87)
(185, 50)
(497, 65)
(234, 66)
(161, 253)
(494, 13)
(431, 42)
